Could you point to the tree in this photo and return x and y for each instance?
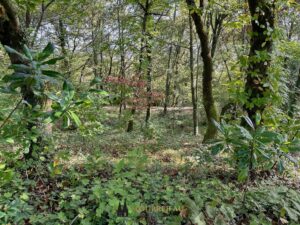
(208, 99)
(12, 35)
(169, 69)
(193, 81)
(262, 21)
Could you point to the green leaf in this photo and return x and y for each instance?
(20, 67)
(211, 211)
(15, 76)
(62, 217)
(270, 136)
(52, 61)
(75, 118)
(48, 50)
(13, 51)
(199, 219)
(10, 140)
(294, 146)
(243, 174)
(24, 197)
(217, 148)
(280, 166)
(51, 73)
(2, 214)
(257, 118)
(245, 133)
(27, 52)
(7, 90)
(249, 122)
(292, 213)
(218, 126)
(67, 86)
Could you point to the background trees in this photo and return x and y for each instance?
(154, 46)
(132, 96)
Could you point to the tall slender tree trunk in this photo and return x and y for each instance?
(149, 79)
(168, 81)
(122, 58)
(169, 71)
(62, 36)
(262, 13)
(146, 16)
(44, 8)
(193, 81)
(262, 21)
(208, 99)
(130, 125)
(97, 38)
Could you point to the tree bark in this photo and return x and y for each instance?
(208, 99)
(262, 13)
(62, 36)
(122, 59)
(146, 16)
(148, 51)
(168, 81)
(193, 81)
(149, 79)
(169, 72)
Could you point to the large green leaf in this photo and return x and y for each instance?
(245, 133)
(13, 51)
(51, 73)
(20, 67)
(52, 61)
(15, 76)
(217, 148)
(48, 50)
(218, 126)
(27, 52)
(75, 118)
(249, 122)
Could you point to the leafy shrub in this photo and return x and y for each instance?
(255, 148)
(224, 204)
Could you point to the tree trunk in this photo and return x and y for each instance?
(122, 59)
(62, 41)
(168, 81)
(149, 80)
(169, 71)
(44, 8)
(141, 61)
(193, 81)
(12, 36)
(208, 99)
(262, 13)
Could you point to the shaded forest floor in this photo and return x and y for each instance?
(159, 175)
(168, 142)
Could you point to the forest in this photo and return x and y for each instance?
(149, 112)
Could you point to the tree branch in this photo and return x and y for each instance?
(10, 114)
(44, 8)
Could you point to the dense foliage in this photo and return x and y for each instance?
(149, 112)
